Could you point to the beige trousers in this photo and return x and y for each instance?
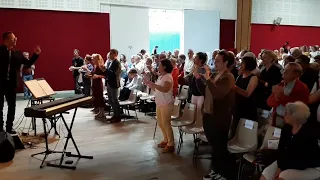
(164, 121)
(291, 174)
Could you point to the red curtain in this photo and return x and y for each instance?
(57, 33)
(227, 34)
(273, 37)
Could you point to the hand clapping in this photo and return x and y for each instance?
(207, 74)
(37, 50)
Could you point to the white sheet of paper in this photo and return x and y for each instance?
(176, 102)
(191, 106)
(265, 114)
(277, 132)
(249, 124)
(273, 144)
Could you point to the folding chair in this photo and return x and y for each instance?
(272, 133)
(130, 102)
(188, 118)
(245, 140)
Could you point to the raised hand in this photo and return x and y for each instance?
(37, 50)
(207, 74)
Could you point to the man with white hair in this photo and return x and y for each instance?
(138, 64)
(291, 89)
(189, 62)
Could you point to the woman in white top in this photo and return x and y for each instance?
(164, 103)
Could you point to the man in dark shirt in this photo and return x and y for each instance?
(77, 63)
(112, 74)
(10, 63)
(310, 76)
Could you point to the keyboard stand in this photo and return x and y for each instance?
(63, 152)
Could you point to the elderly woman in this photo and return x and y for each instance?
(270, 75)
(298, 149)
(164, 102)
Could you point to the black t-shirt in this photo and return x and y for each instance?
(77, 62)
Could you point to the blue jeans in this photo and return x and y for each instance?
(27, 93)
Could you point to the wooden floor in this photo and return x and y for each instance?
(121, 151)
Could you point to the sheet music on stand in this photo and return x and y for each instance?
(39, 88)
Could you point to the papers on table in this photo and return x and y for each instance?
(249, 124)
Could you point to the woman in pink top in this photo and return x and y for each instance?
(164, 102)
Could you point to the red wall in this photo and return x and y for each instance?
(227, 34)
(273, 37)
(57, 33)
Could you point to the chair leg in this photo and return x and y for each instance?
(180, 140)
(155, 129)
(196, 149)
(240, 169)
(136, 112)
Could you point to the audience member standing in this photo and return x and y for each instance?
(270, 75)
(188, 65)
(198, 85)
(309, 76)
(77, 63)
(97, 86)
(112, 73)
(245, 88)
(27, 73)
(10, 64)
(217, 116)
(124, 68)
(175, 75)
(86, 71)
(164, 104)
(211, 61)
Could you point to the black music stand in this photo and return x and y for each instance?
(41, 90)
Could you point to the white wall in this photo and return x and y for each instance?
(127, 35)
(201, 30)
(227, 8)
(292, 12)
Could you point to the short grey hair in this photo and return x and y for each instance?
(299, 111)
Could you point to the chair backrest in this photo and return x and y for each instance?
(247, 133)
(133, 96)
(272, 133)
(189, 113)
(184, 91)
(176, 108)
